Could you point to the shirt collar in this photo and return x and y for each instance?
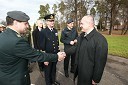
(39, 28)
(91, 34)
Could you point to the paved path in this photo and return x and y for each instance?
(115, 73)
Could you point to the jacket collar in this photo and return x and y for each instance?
(88, 36)
(68, 29)
(13, 31)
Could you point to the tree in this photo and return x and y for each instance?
(44, 10)
(61, 8)
(54, 8)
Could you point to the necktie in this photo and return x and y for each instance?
(51, 30)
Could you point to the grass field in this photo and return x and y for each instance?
(118, 45)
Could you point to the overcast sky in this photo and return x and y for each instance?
(30, 7)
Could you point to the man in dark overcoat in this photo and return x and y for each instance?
(36, 34)
(91, 53)
(15, 51)
(68, 38)
(50, 44)
(36, 38)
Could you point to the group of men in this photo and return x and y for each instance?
(88, 51)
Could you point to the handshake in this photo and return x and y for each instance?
(61, 56)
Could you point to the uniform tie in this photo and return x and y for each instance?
(51, 29)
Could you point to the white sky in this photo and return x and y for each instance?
(30, 7)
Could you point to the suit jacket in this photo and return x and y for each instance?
(49, 41)
(14, 55)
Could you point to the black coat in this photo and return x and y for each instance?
(36, 38)
(91, 55)
(49, 41)
(14, 55)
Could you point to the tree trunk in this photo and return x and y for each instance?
(111, 25)
(76, 12)
(126, 30)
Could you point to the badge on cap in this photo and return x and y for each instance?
(51, 17)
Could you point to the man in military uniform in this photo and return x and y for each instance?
(68, 38)
(15, 51)
(50, 44)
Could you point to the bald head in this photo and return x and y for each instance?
(87, 23)
(88, 19)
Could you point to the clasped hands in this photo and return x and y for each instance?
(61, 56)
(73, 42)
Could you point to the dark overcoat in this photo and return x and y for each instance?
(91, 55)
(36, 38)
(14, 55)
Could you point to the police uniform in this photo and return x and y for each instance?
(68, 35)
(50, 44)
(15, 53)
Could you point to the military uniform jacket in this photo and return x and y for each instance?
(67, 36)
(49, 40)
(14, 55)
(91, 55)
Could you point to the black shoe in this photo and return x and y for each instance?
(56, 83)
(66, 74)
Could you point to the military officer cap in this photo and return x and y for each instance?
(49, 17)
(69, 21)
(18, 15)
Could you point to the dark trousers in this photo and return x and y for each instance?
(41, 66)
(50, 73)
(66, 62)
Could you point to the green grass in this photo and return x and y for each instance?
(117, 45)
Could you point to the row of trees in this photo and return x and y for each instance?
(111, 12)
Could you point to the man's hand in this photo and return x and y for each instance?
(61, 56)
(46, 63)
(75, 41)
(93, 83)
(72, 42)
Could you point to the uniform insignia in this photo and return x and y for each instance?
(48, 38)
(51, 17)
(56, 34)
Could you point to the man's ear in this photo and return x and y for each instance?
(14, 22)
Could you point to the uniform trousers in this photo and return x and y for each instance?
(50, 73)
(66, 62)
